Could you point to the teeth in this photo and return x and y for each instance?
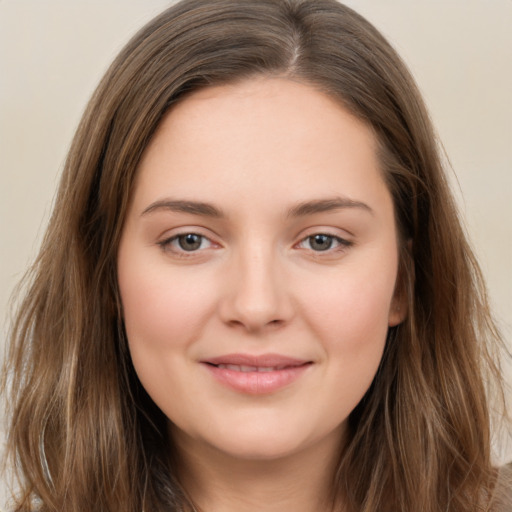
(242, 368)
(248, 369)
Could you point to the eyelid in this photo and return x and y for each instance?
(165, 242)
(342, 242)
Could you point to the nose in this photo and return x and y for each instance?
(256, 296)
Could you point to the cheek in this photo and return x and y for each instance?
(351, 322)
(164, 312)
(161, 311)
(350, 315)
(353, 301)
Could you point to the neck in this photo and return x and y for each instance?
(219, 482)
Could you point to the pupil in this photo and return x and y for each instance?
(190, 242)
(321, 242)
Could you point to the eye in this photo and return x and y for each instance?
(186, 242)
(190, 241)
(321, 242)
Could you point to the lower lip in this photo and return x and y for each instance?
(257, 383)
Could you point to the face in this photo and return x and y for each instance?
(257, 268)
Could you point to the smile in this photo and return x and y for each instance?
(245, 369)
(256, 375)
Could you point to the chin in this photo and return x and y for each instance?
(261, 448)
(267, 442)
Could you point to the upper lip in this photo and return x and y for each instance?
(263, 360)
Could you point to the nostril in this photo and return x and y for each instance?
(272, 324)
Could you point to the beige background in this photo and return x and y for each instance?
(53, 52)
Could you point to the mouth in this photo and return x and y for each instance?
(256, 375)
(246, 369)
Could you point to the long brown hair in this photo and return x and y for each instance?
(84, 435)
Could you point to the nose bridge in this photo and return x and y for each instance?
(258, 296)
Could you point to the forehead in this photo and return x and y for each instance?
(276, 104)
(271, 137)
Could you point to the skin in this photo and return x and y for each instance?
(258, 151)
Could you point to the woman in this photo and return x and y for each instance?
(254, 292)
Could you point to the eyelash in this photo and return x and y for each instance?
(341, 244)
(167, 244)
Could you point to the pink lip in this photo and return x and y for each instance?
(262, 374)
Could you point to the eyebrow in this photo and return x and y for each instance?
(326, 205)
(181, 206)
(300, 210)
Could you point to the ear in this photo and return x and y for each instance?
(399, 308)
(400, 303)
